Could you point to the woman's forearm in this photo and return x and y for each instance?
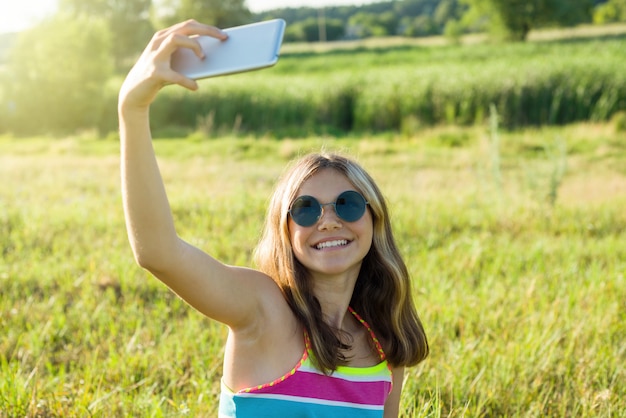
(147, 212)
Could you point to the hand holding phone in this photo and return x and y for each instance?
(248, 47)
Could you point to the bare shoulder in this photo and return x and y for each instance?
(271, 315)
(268, 344)
(255, 301)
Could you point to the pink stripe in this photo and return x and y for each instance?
(317, 386)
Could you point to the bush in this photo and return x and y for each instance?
(619, 121)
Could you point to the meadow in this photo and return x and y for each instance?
(507, 203)
(376, 85)
(405, 87)
(515, 241)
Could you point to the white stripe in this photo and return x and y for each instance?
(310, 400)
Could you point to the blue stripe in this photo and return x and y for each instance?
(245, 407)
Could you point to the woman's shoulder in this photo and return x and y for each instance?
(268, 346)
(272, 308)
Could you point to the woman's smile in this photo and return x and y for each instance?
(332, 244)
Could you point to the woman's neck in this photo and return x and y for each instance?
(334, 295)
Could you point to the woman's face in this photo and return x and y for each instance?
(331, 246)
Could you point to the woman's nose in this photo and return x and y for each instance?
(328, 218)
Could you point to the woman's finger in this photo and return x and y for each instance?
(189, 28)
(192, 27)
(175, 41)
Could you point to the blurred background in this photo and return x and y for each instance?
(62, 62)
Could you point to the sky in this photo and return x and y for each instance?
(16, 15)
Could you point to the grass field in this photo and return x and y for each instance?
(558, 77)
(515, 242)
(379, 85)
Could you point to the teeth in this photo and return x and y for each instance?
(329, 244)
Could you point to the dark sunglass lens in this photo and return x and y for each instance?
(305, 211)
(350, 206)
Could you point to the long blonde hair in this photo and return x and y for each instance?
(382, 294)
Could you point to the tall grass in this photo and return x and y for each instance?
(523, 298)
(386, 86)
(406, 88)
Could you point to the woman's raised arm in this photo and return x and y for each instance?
(210, 286)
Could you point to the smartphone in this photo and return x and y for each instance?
(248, 47)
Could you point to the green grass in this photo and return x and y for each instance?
(405, 87)
(523, 295)
(372, 86)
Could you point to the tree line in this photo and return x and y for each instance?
(130, 23)
(503, 19)
(62, 69)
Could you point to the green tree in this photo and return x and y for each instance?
(58, 73)
(414, 8)
(127, 20)
(453, 31)
(423, 25)
(364, 25)
(222, 14)
(513, 19)
(308, 30)
(610, 12)
(446, 11)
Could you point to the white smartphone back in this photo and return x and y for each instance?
(248, 47)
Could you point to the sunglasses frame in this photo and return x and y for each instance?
(334, 204)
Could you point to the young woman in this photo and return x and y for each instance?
(326, 325)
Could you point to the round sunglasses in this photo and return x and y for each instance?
(349, 206)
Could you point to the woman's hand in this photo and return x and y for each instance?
(153, 69)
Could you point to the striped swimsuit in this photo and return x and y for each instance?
(305, 392)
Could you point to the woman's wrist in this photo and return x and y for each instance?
(127, 111)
